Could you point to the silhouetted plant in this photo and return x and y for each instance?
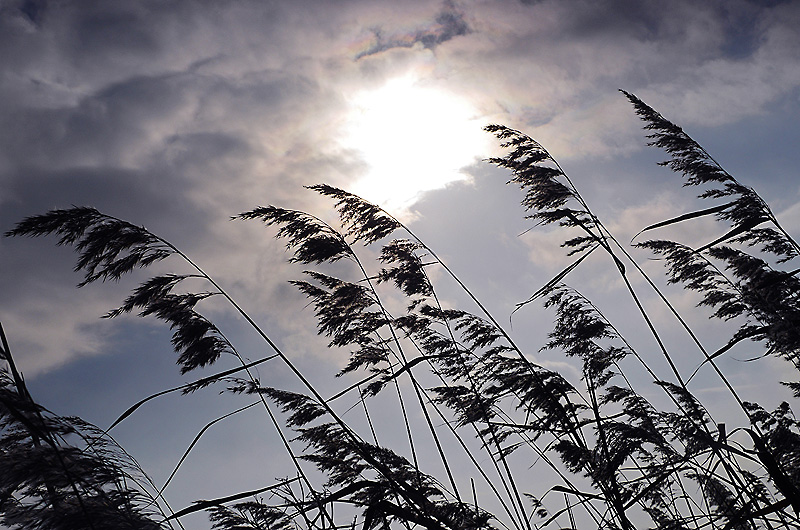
(613, 458)
(62, 473)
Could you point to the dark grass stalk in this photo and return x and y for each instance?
(41, 429)
(119, 481)
(689, 501)
(466, 290)
(506, 478)
(467, 451)
(407, 424)
(474, 387)
(530, 443)
(483, 473)
(367, 415)
(446, 421)
(505, 474)
(400, 353)
(415, 383)
(197, 439)
(40, 432)
(484, 310)
(402, 405)
(675, 472)
(641, 360)
(603, 237)
(651, 116)
(686, 327)
(501, 453)
(614, 489)
(318, 397)
(186, 388)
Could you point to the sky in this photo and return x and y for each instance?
(178, 114)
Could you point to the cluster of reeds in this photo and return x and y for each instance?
(61, 472)
(614, 458)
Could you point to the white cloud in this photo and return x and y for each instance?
(178, 119)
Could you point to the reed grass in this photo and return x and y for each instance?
(519, 445)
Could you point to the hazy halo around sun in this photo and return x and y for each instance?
(413, 138)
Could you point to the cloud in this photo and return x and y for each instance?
(546, 65)
(33, 10)
(179, 114)
(446, 25)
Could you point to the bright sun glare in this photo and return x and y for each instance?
(414, 139)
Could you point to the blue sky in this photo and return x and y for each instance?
(178, 114)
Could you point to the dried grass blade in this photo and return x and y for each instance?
(572, 491)
(686, 217)
(191, 386)
(202, 505)
(772, 508)
(742, 228)
(555, 280)
(568, 491)
(352, 387)
(731, 343)
(197, 438)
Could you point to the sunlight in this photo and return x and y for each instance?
(414, 139)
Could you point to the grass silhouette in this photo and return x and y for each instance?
(605, 454)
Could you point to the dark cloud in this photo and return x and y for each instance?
(143, 196)
(448, 24)
(33, 10)
(769, 3)
(113, 30)
(733, 29)
(193, 110)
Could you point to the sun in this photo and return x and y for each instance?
(414, 139)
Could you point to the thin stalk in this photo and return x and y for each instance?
(471, 295)
(606, 235)
(22, 390)
(505, 472)
(366, 414)
(414, 382)
(602, 237)
(684, 325)
(357, 441)
(272, 345)
(196, 439)
(474, 388)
